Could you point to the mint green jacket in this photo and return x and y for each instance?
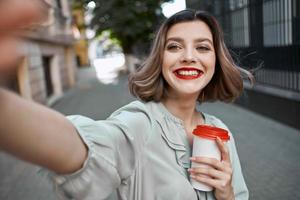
(140, 152)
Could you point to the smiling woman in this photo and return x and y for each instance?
(189, 62)
(205, 44)
(143, 150)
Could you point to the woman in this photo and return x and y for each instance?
(143, 150)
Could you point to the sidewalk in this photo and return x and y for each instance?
(269, 151)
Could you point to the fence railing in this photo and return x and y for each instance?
(274, 66)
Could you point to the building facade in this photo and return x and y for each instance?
(79, 28)
(264, 36)
(49, 63)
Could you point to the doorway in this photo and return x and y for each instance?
(47, 74)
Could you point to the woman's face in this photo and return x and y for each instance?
(189, 58)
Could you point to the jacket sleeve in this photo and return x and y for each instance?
(114, 146)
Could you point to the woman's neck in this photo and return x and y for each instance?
(183, 108)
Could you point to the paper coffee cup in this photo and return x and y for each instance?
(205, 145)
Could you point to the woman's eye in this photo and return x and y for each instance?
(173, 47)
(203, 48)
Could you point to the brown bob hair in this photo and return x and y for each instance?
(226, 85)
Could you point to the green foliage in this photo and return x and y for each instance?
(132, 22)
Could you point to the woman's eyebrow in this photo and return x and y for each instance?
(178, 39)
(204, 40)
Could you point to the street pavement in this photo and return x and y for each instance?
(269, 151)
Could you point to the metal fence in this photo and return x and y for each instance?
(273, 66)
(264, 34)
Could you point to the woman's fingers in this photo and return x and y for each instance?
(211, 167)
(214, 163)
(206, 171)
(213, 177)
(224, 150)
(17, 14)
(215, 183)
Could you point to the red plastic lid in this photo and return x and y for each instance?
(211, 132)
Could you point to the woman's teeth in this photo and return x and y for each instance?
(188, 73)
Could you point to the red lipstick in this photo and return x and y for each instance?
(188, 73)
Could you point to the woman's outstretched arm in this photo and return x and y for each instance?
(39, 135)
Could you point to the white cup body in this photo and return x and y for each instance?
(205, 148)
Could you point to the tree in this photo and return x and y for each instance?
(132, 22)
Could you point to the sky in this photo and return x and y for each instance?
(171, 8)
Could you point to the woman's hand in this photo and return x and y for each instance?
(217, 174)
(15, 16)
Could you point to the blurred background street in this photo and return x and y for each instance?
(78, 61)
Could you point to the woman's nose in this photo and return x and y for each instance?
(188, 56)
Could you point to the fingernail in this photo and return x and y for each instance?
(192, 158)
(193, 176)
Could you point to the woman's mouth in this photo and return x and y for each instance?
(188, 73)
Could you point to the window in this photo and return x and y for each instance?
(277, 22)
(239, 23)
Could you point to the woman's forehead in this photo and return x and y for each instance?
(190, 30)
